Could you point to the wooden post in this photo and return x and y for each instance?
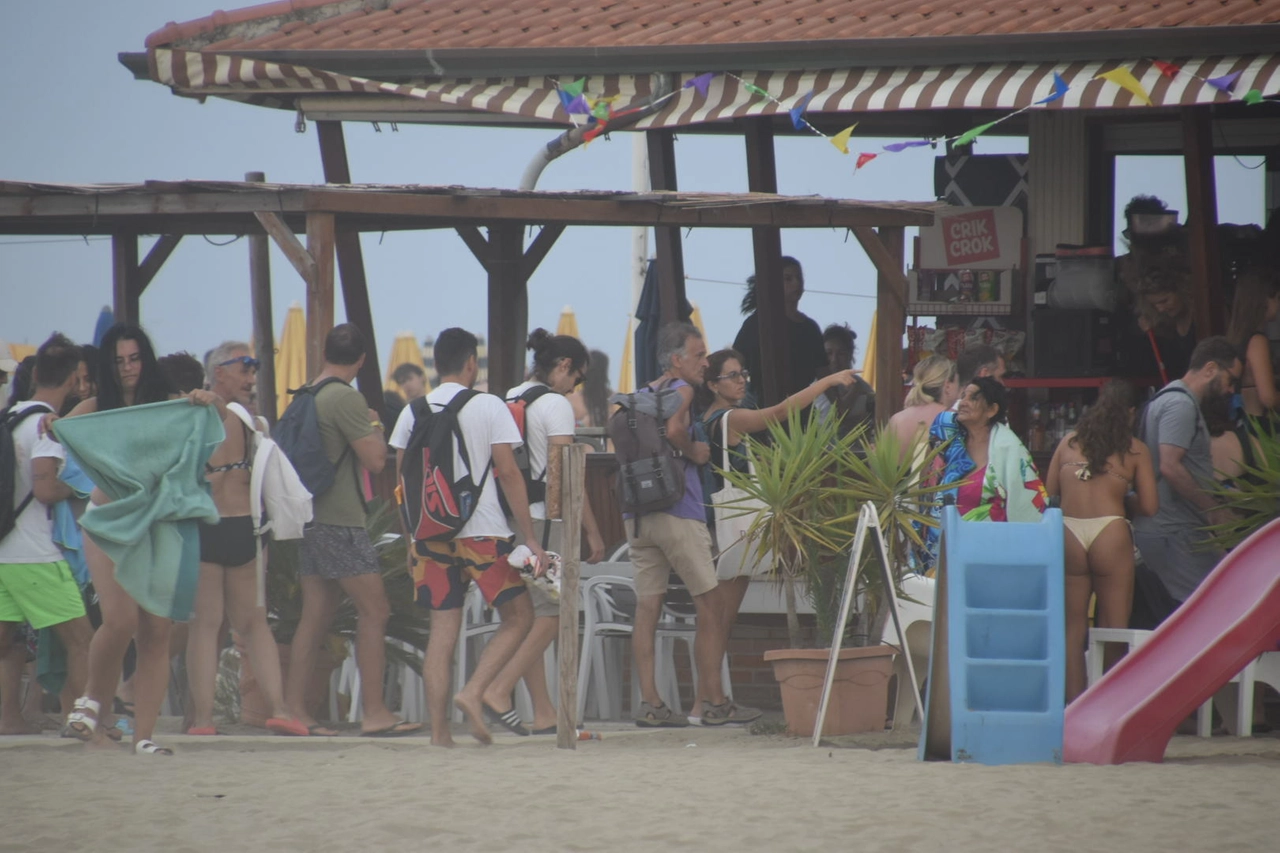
(771, 307)
(124, 273)
(670, 254)
(319, 288)
(1207, 296)
(508, 306)
(355, 288)
(886, 250)
(264, 336)
(572, 491)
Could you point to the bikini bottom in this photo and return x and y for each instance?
(1087, 529)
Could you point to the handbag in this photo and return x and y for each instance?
(734, 511)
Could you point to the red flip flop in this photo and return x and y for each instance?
(282, 726)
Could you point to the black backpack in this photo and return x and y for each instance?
(650, 474)
(298, 435)
(437, 501)
(534, 485)
(10, 506)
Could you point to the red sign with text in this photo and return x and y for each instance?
(970, 238)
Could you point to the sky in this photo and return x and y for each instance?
(78, 116)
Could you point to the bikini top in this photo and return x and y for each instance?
(1083, 474)
(244, 464)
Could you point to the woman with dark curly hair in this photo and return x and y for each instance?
(1093, 469)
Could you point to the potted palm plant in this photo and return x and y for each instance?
(810, 484)
(1254, 496)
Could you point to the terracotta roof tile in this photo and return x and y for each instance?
(440, 24)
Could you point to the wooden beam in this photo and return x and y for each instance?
(289, 244)
(538, 249)
(155, 259)
(320, 240)
(668, 250)
(771, 308)
(264, 336)
(508, 307)
(477, 243)
(573, 491)
(891, 318)
(124, 277)
(1207, 295)
(355, 287)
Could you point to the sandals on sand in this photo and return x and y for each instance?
(399, 729)
(150, 747)
(727, 712)
(83, 719)
(660, 717)
(287, 726)
(508, 719)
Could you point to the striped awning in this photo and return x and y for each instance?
(987, 86)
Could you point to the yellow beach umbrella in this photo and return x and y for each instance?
(291, 356)
(626, 373)
(568, 323)
(696, 319)
(869, 355)
(404, 350)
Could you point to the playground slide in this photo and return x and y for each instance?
(1232, 618)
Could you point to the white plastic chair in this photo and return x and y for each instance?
(916, 618)
(1132, 638)
(1236, 707)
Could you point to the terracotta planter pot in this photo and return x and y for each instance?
(254, 707)
(859, 694)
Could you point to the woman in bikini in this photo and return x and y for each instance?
(128, 375)
(1093, 471)
(935, 387)
(1256, 303)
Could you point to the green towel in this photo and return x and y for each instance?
(150, 461)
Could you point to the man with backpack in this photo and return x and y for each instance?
(1173, 542)
(36, 584)
(450, 448)
(667, 527)
(337, 557)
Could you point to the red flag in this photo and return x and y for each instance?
(1168, 69)
(863, 159)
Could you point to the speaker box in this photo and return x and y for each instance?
(1070, 342)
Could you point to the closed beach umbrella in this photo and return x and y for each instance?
(649, 320)
(869, 355)
(291, 357)
(21, 351)
(568, 323)
(106, 319)
(696, 319)
(404, 350)
(627, 371)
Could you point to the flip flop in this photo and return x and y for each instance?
(399, 729)
(202, 730)
(509, 720)
(549, 730)
(321, 731)
(150, 747)
(282, 726)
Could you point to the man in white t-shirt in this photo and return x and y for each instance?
(36, 584)
(443, 570)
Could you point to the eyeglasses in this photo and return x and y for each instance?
(247, 360)
(744, 375)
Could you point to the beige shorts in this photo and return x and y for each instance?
(665, 543)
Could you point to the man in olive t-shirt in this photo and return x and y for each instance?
(337, 557)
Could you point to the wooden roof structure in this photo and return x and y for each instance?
(333, 215)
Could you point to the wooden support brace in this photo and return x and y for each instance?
(538, 249)
(478, 245)
(289, 244)
(155, 259)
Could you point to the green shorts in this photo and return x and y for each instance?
(44, 594)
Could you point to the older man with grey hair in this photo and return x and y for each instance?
(678, 539)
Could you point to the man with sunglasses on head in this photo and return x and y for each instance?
(228, 555)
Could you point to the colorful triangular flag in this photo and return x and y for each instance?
(1124, 78)
(968, 136)
(701, 82)
(895, 147)
(575, 88)
(863, 159)
(578, 105)
(1060, 88)
(1168, 69)
(1225, 83)
(798, 110)
(841, 139)
(1253, 96)
(756, 90)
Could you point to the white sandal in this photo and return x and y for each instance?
(83, 719)
(150, 747)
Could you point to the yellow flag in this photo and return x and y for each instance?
(841, 139)
(1124, 78)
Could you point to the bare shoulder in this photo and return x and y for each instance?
(84, 407)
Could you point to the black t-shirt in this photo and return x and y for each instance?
(808, 356)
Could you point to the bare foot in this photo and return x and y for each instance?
(445, 741)
(475, 717)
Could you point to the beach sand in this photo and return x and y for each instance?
(693, 789)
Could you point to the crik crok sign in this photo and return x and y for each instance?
(970, 238)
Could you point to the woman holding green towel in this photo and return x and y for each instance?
(128, 375)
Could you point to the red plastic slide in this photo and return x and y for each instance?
(1233, 617)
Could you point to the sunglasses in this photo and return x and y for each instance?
(247, 360)
(744, 375)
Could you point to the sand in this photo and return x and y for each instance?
(694, 789)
